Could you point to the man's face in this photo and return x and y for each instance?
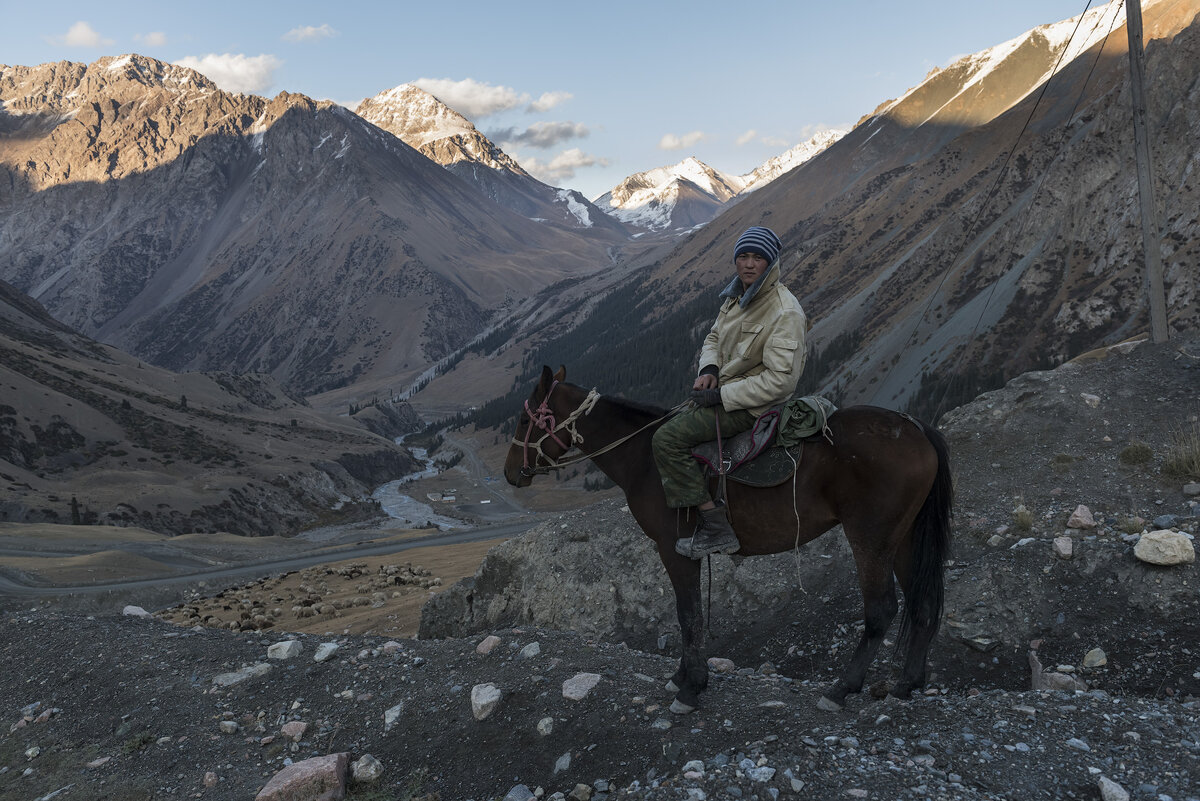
(750, 267)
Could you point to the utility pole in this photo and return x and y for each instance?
(1151, 232)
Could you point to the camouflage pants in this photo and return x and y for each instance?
(682, 476)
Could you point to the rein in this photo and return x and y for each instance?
(544, 419)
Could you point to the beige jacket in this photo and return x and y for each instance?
(759, 349)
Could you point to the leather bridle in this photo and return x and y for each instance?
(544, 420)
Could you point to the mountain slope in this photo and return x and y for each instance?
(931, 263)
(451, 140)
(89, 434)
(204, 230)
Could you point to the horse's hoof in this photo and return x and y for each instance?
(825, 705)
(672, 687)
(680, 708)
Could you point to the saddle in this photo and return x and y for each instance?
(756, 457)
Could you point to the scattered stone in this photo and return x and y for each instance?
(995, 540)
(520, 793)
(294, 729)
(1191, 490)
(135, 611)
(582, 792)
(1064, 547)
(1089, 399)
(487, 644)
(1166, 521)
(210, 779)
(530, 651)
(1165, 547)
(322, 777)
(1081, 518)
(366, 769)
(391, 647)
(1111, 791)
(484, 698)
(96, 763)
(391, 716)
(719, 665)
(228, 727)
(1095, 658)
(578, 686)
(545, 726)
(33, 753)
(325, 651)
(562, 763)
(1078, 745)
(284, 650)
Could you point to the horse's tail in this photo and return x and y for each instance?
(924, 596)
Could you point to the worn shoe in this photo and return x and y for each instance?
(713, 535)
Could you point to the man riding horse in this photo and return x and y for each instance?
(751, 360)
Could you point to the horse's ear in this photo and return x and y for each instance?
(561, 375)
(546, 380)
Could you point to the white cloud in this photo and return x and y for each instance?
(673, 142)
(549, 100)
(563, 166)
(81, 34)
(471, 98)
(747, 137)
(776, 141)
(308, 33)
(152, 39)
(235, 72)
(542, 135)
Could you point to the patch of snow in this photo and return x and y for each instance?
(575, 207)
(345, 146)
(324, 139)
(119, 63)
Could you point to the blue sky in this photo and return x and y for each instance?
(584, 94)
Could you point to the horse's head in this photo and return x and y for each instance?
(537, 443)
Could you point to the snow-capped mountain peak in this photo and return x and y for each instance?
(414, 115)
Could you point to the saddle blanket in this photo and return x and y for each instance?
(769, 453)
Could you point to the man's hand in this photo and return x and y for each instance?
(705, 381)
(706, 397)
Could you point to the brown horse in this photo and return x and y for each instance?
(885, 478)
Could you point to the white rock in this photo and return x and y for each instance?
(1095, 658)
(284, 650)
(227, 727)
(1165, 547)
(238, 676)
(1111, 791)
(545, 726)
(366, 769)
(578, 686)
(135, 611)
(391, 716)
(487, 644)
(1064, 547)
(720, 665)
(484, 698)
(1090, 400)
(325, 650)
(562, 763)
(1081, 518)
(530, 651)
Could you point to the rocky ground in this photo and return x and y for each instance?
(111, 706)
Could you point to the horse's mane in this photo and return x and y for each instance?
(634, 407)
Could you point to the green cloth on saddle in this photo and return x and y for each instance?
(800, 418)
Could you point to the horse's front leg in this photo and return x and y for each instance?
(692, 676)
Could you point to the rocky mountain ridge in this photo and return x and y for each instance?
(91, 435)
(204, 230)
(450, 139)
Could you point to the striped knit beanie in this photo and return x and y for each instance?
(760, 240)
